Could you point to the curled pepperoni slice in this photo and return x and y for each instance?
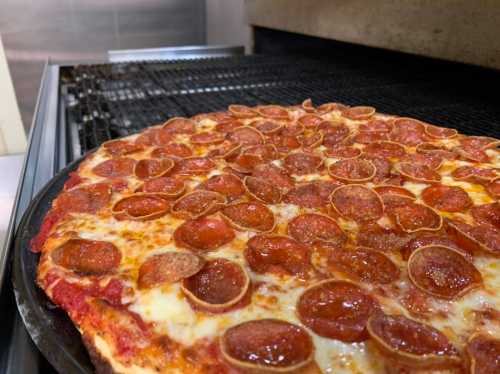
(430, 148)
(312, 141)
(302, 163)
(154, 136)
(330, 107)
(249, 216)
(307, 105)
(481, 238)
(207, 137)
(412, 217)
(483, 352)
(442, 272)
(440, 132)
(376, 125)
(178, 125)
(446, 198)
(487, 214)
(385, 149)
(226, 127)
(352, 170)
(474, 174)
(430, 240)
(408, 131)
(493, 188)
(226, 184)
(273, 111)
(393, 190)
(151, 168)
(87, 256)
(203, 234)
(219, 117)
(310, 121)
(284, 143)
(266, 346)
(242, 111)
(380, 238)
(266, 152)
(412, 343)
(343, 152)
(472, 144)
(268, 127)
(198, 203)
(367, 137)
(140, 207)
(357, 202)
(358, 112)
(173, 149)
(85, 199)
(168, 267)
(277, 254)
(336, 310)
(245, 135)
(383, 167)
(292, 129)
(364, 264)
(434, 161)
(170, 187)
(116, 167)
(334, 134)
(226, 151)
(312, 228)
(311, 195)
(193, 166)
(274, 175)
(417, 172)
(261, 190)
(218, 286)
(121, 147)
(246, 162)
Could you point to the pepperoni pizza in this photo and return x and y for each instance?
(272, 239)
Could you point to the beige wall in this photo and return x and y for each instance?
(458, 30)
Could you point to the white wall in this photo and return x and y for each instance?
(226, 23)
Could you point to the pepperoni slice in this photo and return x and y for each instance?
(493, 188)
(408, 131)
(173, 149)
(412, 217)
(447, 198)
(357, 202)
(226, 127)
(442, 272)
(312, 141)
(261, 190)
(266, 152)
(311, 195)
(219, 117)
(487, 214)
(198, 203)
(334, 134)
(193, 166)
(307, 105)
(359, 112)
(430, 240)
(273, 111)
(479, 156)
(368, 137)
(274, 175)
(483, 352)
(312, 228)
(218, 286)
(267, 345)
(178, 125)
(268, 127)
(440, 132)
(90, 257)
(168, 267)
(411, 343)
(330, 107)
(203, 234)
(482, 238)
(245, 135)
(151, 168)
(121, 147)
(418, 172)
(154, 136)
(385, 149)
(252, 216)
(116, 167)
(226, 184)
(310, 121)
(433, 161)
(336, 310)
(140, 207)
(242, 111)
(383, 167)
(352, 170)
(226, 151)
(277, 254)
(380, 238)
(85, 199)
(343, 152)
(473, 174)
(430, 148)
(472, 144)
(284, 143)
(245, 163)
(376, 125)
(364, 264)
(170, 187)
(292, 129)
(302, 163)
(393, 190)
(207, 137)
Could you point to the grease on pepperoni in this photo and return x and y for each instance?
(252, 216)
(203, 234)
(245, 135)
(384, 149)
(313, 228)
(170, 187)
(446, 198)
(411, 217)
(198, 203)
(261, 190)
(172, 150)
(178, 125)
(333, 134)
(336, 310)
(353, 170)
(430, 239)
(481, 238)
(408, 131)
(357, 202)
(274, 175)
(90, 257)
(310, 121)
(115, 167)
(302, 163)
(311, 195)
(168, 267)
(483, 354)
(267, 127)
(193, 166)
(86, 199)
(343, 152)
(228, 185)
(418, 172)
(151, 168)
(488, 214)
(384, 239)
(474, 174)
(121, 147)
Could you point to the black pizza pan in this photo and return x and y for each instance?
(49, 326)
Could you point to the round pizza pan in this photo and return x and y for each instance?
(50, 328)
